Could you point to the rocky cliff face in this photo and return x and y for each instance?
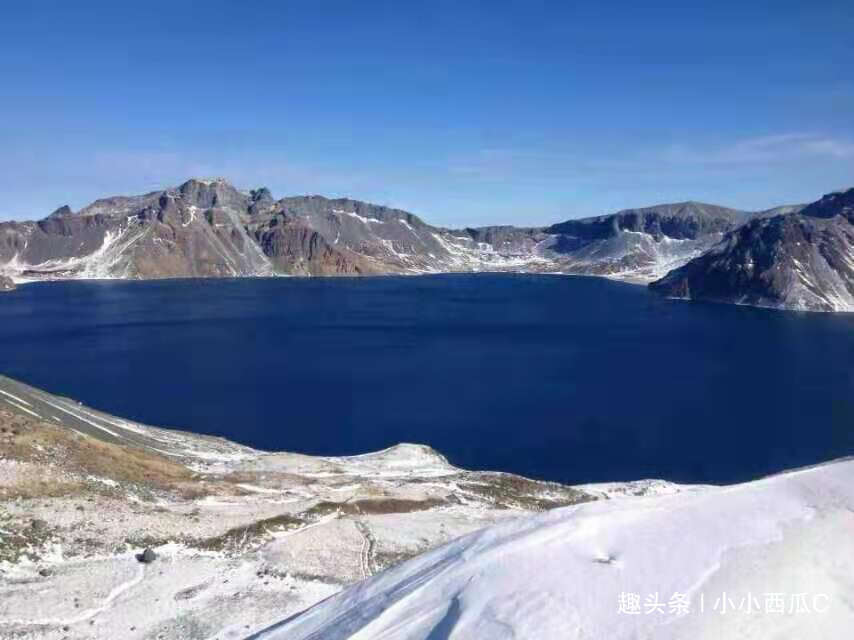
(195, 230)
(6, 283)
(642, 244)
(207, 228)
(800, 261)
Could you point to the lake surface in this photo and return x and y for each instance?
(564, 378)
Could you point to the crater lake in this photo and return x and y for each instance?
(564, 378)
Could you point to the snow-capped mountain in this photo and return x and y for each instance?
(207, 228)
(766, 559)
(799, 261)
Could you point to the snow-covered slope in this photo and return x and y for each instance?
(767, 559)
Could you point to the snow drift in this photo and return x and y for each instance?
(767, 559)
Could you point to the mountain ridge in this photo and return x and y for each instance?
(208, 228)
(799, 261)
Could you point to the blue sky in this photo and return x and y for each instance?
(464, 112)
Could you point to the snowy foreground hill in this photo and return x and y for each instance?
(767, 559)
(112, 529)
(237, 538)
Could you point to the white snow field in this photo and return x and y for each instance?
(770, 559)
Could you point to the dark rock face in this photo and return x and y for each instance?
(832, 205)
(6, 283)
(801, 260)
(298, 249)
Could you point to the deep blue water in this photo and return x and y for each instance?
(569, 379)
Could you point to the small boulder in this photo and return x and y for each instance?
(146, 556)
(38, 525)
(44, 572)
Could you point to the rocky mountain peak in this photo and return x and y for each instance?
(261, 195)
(62, 211)
(833, 204)
(260, 200)
(216, 192)
(203, 184)
(204, 181)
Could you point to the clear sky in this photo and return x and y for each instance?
(463, 112)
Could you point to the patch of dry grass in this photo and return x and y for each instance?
(78, 455)
(238, 538)
(374, 506)
(506, 491)
(30, 488)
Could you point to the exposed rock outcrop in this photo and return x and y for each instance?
(802, 261)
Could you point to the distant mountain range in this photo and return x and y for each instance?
(207, 228)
